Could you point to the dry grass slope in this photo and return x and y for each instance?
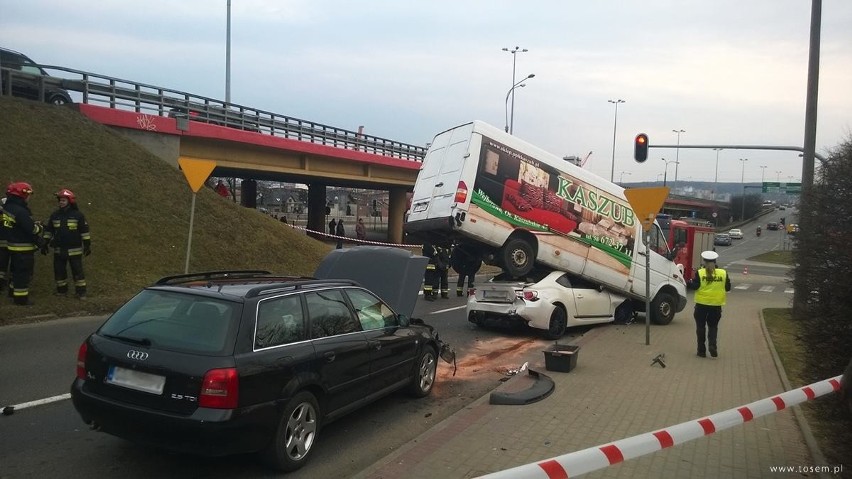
(138, 207)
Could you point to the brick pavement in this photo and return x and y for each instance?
(615, 393)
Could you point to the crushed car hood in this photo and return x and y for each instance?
(394, 274)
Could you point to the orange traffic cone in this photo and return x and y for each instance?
(745, 270)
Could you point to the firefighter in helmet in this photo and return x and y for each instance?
(4, 252)
(67, 232)
(23, 238)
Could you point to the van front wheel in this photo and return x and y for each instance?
(517, 257)
(663, 309)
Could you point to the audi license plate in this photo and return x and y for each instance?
(128, 378)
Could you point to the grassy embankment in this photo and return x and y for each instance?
(138, 207)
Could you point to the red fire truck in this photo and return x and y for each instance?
(687, 240)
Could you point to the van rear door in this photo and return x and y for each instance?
(439, 177)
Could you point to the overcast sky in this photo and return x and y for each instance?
(725, 71)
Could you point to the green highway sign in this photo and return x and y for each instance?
(785, 188)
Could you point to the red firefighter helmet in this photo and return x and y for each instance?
(19, 189)
(66, 193)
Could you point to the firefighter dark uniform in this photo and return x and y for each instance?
(430, 277)
(68, 233)
(23, 238)
(466, 264)
(442, 266)
(4, 252)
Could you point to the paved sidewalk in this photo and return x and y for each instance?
(615, 393)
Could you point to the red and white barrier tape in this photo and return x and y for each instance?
(599, 457)
(353, 240)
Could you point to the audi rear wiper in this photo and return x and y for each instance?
(139, 341)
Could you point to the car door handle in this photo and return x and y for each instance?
(439, 185)
(329, 356)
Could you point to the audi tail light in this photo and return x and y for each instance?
(81, 360)
(461, 192)
(220, 389)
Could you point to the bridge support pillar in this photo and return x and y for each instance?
(316, 207)
(397, 204)
(248, 193)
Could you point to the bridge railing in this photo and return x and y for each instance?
(101, 90)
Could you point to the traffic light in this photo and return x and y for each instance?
(640, 148)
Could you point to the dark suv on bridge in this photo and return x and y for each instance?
(28, 80)
(232, 362)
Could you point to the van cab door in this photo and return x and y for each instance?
(661, 268)
(438, 180)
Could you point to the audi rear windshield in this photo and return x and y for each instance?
(174, 321)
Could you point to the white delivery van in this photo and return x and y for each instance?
(519, 205)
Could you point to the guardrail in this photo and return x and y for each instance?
(121, 94)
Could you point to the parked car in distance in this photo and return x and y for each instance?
(735, 233)
(550, 301)
(772, 226)
(234, 362)
(722, 239)
(792, 228)
(27, 78)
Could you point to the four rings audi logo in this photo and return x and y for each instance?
(137, 355)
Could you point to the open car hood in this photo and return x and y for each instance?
(394, 274)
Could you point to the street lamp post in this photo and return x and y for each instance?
(621, 181)
(778, 176)
(520, 84)
(742, 180)
(762, 174)
(677, 154)
(228, 57)
(614, 126)
(514, 52)
(716, 178)
(665, 175)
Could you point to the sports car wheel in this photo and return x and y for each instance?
(558, 323)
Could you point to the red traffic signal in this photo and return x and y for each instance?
(640, 148)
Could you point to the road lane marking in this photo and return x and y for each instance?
(742, 286)
(448, 309)
(766, 289)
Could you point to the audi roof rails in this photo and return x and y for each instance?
(297, 283)
(211, 275)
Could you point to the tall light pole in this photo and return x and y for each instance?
(742, 180)
(228, 57)
(520, 84)
(665, 175)
(677, 155)
(614, 126)
(621, 181)
(778, 176)
(716, 178)
(514, 52)
(762, 174)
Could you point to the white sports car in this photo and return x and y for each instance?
(551, 301)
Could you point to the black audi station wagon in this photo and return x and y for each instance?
(244, 361)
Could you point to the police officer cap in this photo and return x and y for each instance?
(709, 256)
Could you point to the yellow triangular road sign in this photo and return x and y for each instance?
(646, 203)
(196, 171)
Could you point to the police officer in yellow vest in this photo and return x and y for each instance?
(711, 285)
